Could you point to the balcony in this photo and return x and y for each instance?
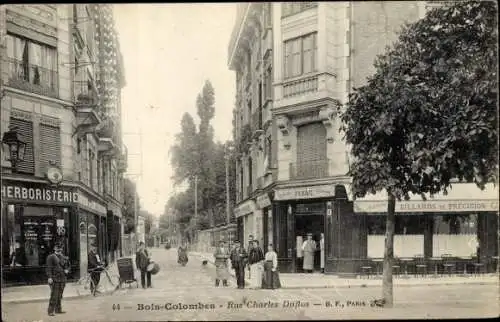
(33, 78)
(257, 123)
(310, 170)
(300, 86)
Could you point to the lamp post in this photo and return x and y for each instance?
(14, 147)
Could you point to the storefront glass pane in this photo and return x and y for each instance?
(11, 231)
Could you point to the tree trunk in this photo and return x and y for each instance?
(387, 287)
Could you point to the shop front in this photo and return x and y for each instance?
(35, 216)
(264, 204)
(298, 211)
(247, 215)
(114, 230)
(92, 226)
(461, 225)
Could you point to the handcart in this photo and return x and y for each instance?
(126, 272)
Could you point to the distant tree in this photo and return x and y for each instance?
(185, 151)
(129, 190)
(429, 113)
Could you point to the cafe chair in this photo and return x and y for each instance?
(366, 270)
(396, 267)
(449, 265)
(420, 265)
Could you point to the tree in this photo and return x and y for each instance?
(185, 151)
(428, 114)
(129, 190)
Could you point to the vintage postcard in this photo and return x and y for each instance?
(249, 161)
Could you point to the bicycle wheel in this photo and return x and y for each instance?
(85, 286)
(113, 279)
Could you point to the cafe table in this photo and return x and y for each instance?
(466, 260)
(406, 261)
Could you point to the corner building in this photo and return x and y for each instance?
(295, 65)
(60, 89)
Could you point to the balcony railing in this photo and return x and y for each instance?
(85, 95)
(300, 86)
(310, 169)
(257, 121)
(33, 78)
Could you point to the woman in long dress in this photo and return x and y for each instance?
(221, 255)
(309, 248)
(270, 278)
(182, 257)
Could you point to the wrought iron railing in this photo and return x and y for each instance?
(33, 78)
(310, 169)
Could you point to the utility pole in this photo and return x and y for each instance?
(196, 205)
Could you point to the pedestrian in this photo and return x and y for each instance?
(221, 255)
(94, 267)
(309, 249)
(300, 254)
(142, 261)
(182, 256)
(57, 268)
(255, 258)
(238, 262)
(270, 278)
(322, 252)
(249, 247)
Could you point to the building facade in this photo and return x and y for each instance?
(61, 80)
(295, 65)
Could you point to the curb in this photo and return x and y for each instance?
(46, 299)
(362, 285)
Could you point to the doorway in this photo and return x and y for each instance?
(309, 223)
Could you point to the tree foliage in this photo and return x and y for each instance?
(196, 155)
(129, 190)
(429, 113)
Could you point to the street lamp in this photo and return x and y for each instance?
(14, 147)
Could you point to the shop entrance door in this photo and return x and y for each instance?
(310, 218)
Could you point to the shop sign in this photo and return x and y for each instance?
(263, 201)
(245, 208)
(30, 191)
(427, 206)
(91, 205)
(311, 192)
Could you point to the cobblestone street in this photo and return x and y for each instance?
(194, 284)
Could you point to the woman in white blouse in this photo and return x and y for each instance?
(270, 278)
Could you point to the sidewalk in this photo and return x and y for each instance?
(41, 293)
(298, 280)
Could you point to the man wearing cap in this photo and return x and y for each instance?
(94, 267)
(309, 249)
(238, 262)
(57, 268)
(221, 255)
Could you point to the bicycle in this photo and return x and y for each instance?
(85, 283)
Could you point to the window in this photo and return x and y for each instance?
(50, 146)
(25, 129)
(291, 8)
(300, 55)
(260, 95)
(268, 84)
(33, 64)
(250, 174)
(269, 148)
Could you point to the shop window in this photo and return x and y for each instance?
(455, 224)
(11, 232)
(404, 224)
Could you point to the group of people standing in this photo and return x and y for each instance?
(262, 268)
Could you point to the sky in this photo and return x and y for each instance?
(169, 51)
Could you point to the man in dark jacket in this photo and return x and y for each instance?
(94, 267)
(57, 268)
(141, 262)
(255, 258)
(238, 262)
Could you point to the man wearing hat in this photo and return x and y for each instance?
(94, 267)
(309, 248)
(142, 261)
(57, 268)
(221, 255)
(238, 262)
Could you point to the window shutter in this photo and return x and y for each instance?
(50, 146)
(25, 129)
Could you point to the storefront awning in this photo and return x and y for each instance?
(461, 197)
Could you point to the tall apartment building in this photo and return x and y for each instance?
(61, 79)
(295, 65)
